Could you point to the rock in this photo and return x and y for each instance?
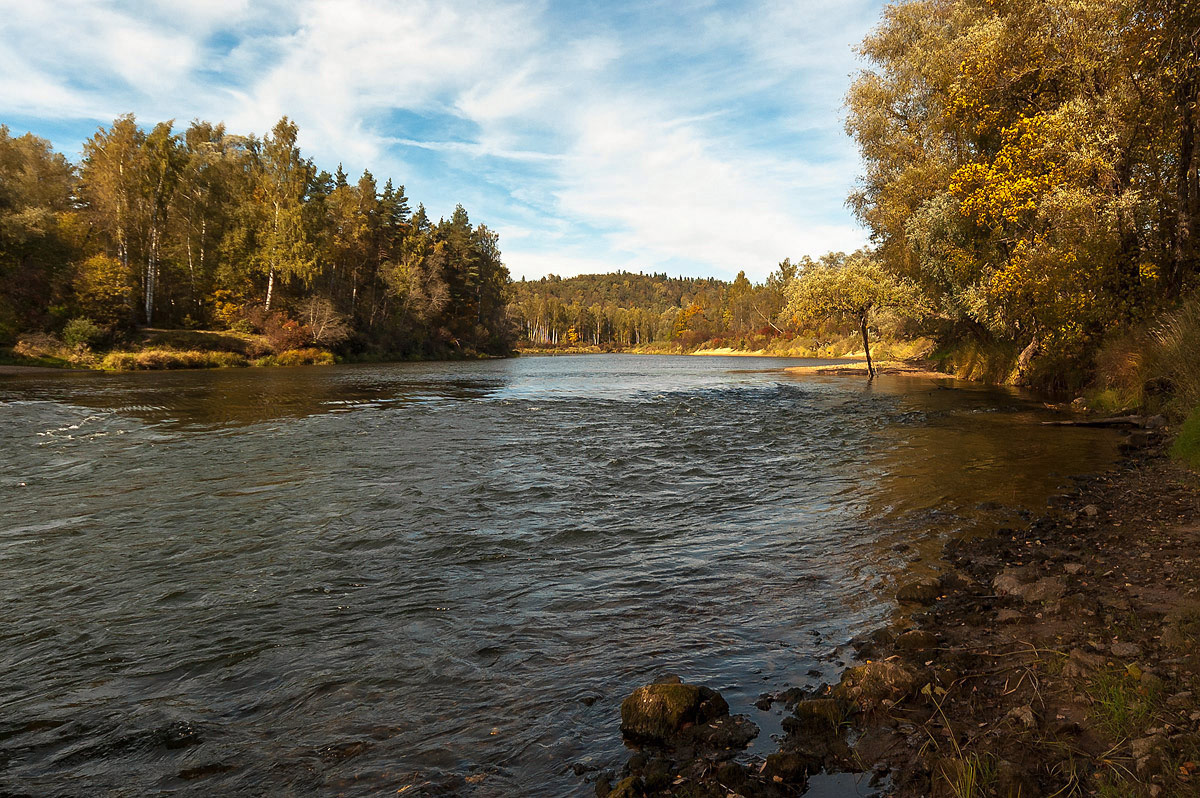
(627, 788)
(921, 591)
(869, 685)
(1080, 663)
(789, 767)
(1048, 588)
(1023, 716)
(825, 711)
(1007, 616)
(732, 732)
(1180, 700)
(1007, 583)
(1155, 422)
(657, 713)
(955, 580)
(1125, 650)
(868, 645)
(1074, 568)
(1090, 510)
(916, 641)
(1147, 753)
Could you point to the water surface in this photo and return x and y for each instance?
(443, 578)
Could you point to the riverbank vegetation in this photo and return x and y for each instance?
(158, 229)
(1032, 168)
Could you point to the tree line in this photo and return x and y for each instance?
(625, 309)
(205, 228)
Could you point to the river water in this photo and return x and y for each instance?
(442, 579)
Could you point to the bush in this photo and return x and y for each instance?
(82, 332)
(39, 345)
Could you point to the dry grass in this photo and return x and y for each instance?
(154, 359)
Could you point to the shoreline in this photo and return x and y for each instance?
(1060, 658)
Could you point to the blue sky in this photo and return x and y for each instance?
(695, 138)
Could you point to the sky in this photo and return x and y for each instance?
(692, 138)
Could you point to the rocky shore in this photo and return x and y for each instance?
(1057, 659)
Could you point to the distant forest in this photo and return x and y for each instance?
(624, 309)
(202, 228)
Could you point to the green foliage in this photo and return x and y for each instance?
(1121, 704)
(847, 289)
(82, 332)
(1187, 444)
(197, 228)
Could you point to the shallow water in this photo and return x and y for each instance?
(350, 580)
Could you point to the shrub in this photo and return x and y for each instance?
(82, 332)
(39, 345)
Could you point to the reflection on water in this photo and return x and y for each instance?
(355, 579)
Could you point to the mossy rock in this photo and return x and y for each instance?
(869, 685)
(657, 713)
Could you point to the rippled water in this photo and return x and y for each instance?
(445, 577)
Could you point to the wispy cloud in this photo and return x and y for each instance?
(698, 138)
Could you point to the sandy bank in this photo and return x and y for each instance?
(859, 369)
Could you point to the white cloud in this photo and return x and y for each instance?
(657, 137)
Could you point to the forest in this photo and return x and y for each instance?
(205, 229)
(624, 310)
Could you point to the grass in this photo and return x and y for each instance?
(970, 776)
(155, 359)
(1121, 704)
(309, 356)
(1187, 444)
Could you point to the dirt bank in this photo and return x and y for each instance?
(1058, 659)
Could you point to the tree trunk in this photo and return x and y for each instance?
(270, 285)
(862, 325)
(1185, 246)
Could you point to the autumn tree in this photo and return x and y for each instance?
(283, 176)
(848, 289)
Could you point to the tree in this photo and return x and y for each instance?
(36, 188)
(848, 289)
(283, 179)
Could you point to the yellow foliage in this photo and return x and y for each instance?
(1025, 169)
(104, 289)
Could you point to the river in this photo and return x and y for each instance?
(442, 579)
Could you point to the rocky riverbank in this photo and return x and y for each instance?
(1061, 659)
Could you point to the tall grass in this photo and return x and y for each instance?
(1154, 369)
(1175, 358)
